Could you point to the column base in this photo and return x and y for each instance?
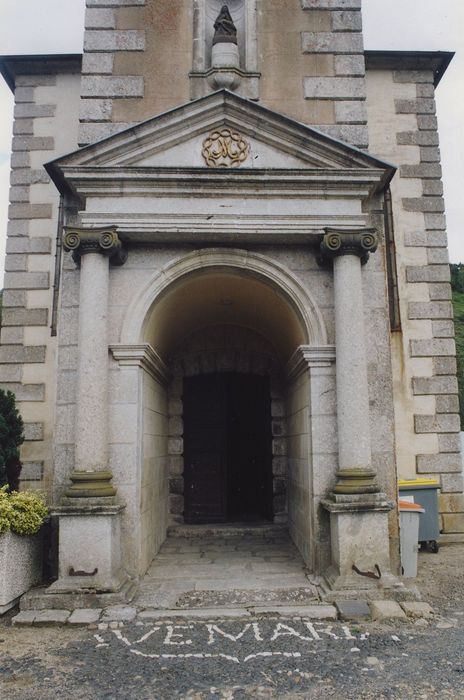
(356, 481)
(89, 547)
(91, 484)
(360, 544)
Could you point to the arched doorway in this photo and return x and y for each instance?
(232, 319)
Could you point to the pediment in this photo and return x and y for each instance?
(176, 139)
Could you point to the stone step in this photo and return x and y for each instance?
(39, 599)
(261, 530)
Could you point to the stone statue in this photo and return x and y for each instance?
(226, 31)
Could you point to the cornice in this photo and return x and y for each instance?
(142, 355)
(307, 356)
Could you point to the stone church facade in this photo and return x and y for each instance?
(227, 287)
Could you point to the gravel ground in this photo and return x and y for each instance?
(235, 659)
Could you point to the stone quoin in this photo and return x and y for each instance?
(227, 294)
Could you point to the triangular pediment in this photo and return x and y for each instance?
(186, 136)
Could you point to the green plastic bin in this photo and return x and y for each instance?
(425, 492)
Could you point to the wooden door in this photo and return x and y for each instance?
(227, 448)
(205, 449)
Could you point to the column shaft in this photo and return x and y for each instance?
(351, 368)
(92, 393)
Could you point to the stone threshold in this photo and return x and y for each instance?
(117, 616)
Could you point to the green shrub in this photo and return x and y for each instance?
(22, 513)
(11, 437)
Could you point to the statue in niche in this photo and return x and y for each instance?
(225, 29)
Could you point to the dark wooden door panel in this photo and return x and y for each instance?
(227, 448)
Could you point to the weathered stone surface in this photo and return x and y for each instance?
(453, 522)
(24, 94)
(33, 431)
(432, 347)
(419, 106)
(430, 310)
(413, 76)
(331, 4)
(31, 246)
(119, 613)
(329, 42)
(428, 273)
(422, 170)
(27, 280)
(447, 404)
(314, 612)
(432, 187)
(350, 64)
(350, 112)
(440, 423)
(434, 385)
(16, 262)
(112, 86)
(23, 126)
(10, 373)
(32, 471)
(26, 392)
(417, 609)
(31, 110)
(84, 617)
(115, 3)
(33, 143)
(46, 618)
(431, 464)
(333, 88)
(353, 609)
(355, 134)
(114, 40)
(97, 63)
(429, 154)
(449, 443)
(386, 610)
(452, 483)
(29, 176)
(425, 238)
(439, 291)
(346, 21)
(25, 617)
(30, 211)
(427, 121)
(417, 138)
(99, 18)
(23, 353)
(96, 110)
(451, 502)
(35, 80)
(443, 329)
(24, 317)
(425, 204)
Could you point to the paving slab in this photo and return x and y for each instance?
(199, 613)
(84, 616)
(119, 613)
(25, 617)
(353, 609)
(417, 609)
(45, 618)
(382, 610)
(314, 612)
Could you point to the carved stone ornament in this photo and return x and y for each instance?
(225, 149)
(225, 30)
(358, 242)
(97, 240)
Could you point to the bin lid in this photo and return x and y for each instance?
(417, 483)
(408, 507)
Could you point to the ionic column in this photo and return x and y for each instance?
(93, 250)
(349, 250)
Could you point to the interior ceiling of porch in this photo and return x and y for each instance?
(209, 298)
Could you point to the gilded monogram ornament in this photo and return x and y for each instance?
(225, 149)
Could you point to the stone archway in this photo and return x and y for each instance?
(260, 299)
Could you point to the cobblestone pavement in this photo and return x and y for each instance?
(259, 657)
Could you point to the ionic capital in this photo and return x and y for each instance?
(106, 241)
(359, 242)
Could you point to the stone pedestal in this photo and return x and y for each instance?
(89, 547)
(359, 542)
